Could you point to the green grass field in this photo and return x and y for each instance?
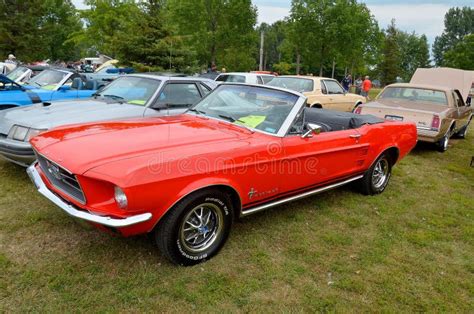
(409, 249)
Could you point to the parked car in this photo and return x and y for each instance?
(130, 96)
(22, 74)
(242, 149)
(243, 77)
(471, 95)
(209, 75)
(439, 111)
(322, 92)
(107, 72)
(49, 85)
(6, 67)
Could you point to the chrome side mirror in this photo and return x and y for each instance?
(312, 129)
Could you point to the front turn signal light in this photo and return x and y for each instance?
(120, 198)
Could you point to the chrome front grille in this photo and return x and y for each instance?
(62, 179)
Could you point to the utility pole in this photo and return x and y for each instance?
(333, 67)
(171, 56)
(262, 35)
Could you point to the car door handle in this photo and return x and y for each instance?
(355, 136)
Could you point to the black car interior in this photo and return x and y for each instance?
(337, 121)
(79, 84)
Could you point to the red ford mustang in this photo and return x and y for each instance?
(185, 178)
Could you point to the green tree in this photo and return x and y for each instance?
(58, 22)
(461, 56)
(150, 43)
(324, 31)
(415, 53)
(458, 22)
(35, 29)
(220, 31)
(274, 37)
(391, 60)
(104, 21)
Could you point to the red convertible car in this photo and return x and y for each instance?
(185, 178)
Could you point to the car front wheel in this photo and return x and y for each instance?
(196, 228)
(376, 179)
(463, 132)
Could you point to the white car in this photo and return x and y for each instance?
(6, 67)
(243, 77)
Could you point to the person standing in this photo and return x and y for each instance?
(366, 87)
(358, 85)
(347, 82)
(11, 59)
(10, 63)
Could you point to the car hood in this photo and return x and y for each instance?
(448, 77)
(83, 147)
(59, 113)
(406, 105)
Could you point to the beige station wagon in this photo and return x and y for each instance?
(321, 92)
(438, 111)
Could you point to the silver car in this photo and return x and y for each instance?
(131, 96)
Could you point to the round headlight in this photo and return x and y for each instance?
(120, 198)
(18, 133)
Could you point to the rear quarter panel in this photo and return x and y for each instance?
(383, 136)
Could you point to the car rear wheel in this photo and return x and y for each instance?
(443, 143)
(355, 107)
(196, 228)
(376, 179)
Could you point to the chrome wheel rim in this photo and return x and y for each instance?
(466, 128)
(201, 227)
(380, 173)
(445, 142)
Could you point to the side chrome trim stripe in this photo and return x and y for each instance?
(297, 197)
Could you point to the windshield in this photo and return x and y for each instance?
(267, 79)
(48, 79)
(255, 107)
(415, 95)
(231, 78)
(17, 73)
(294, 83)
(132, 90)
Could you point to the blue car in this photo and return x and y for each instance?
(49, 85)
(107, 74)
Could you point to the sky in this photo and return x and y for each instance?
(422, 16)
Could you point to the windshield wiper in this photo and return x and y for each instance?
(232, 119)
(179, 105)
(115, 97)
(196, 111)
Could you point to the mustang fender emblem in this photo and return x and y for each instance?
(252, 192)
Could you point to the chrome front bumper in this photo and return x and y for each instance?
(71, 210)
(18, 152)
